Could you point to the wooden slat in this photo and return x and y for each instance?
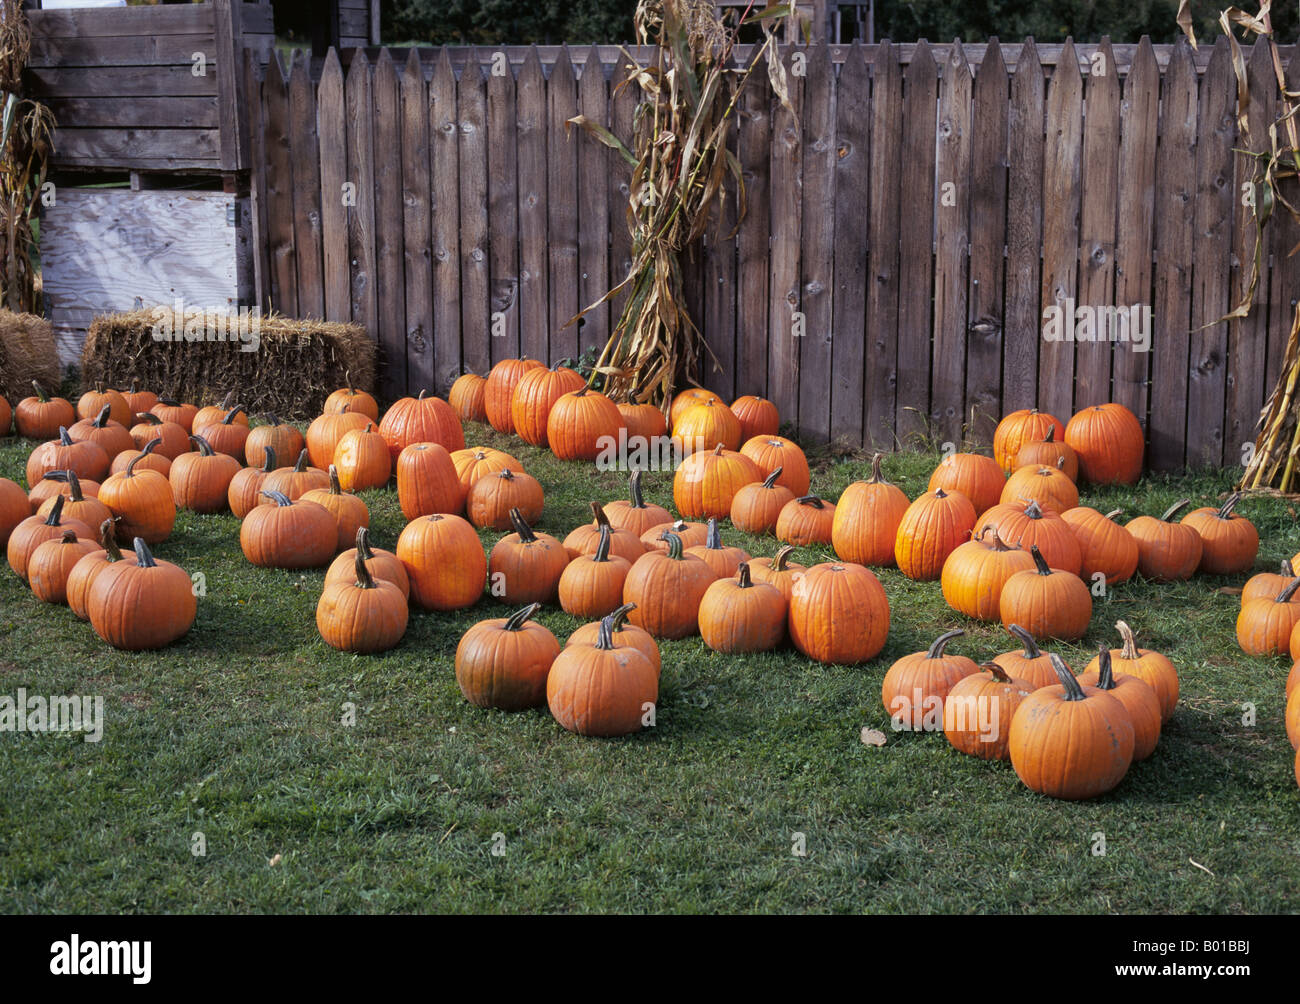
(332, 132)
(720, 284)
(530, 101)
(475, 294)
(622, 105)
(1284, 278)
(279, 192)
(106, 112)
(361, 219)
(121, 81)
(417, 246)
(952, 267)
(390, 239)
(786, 222)
(883, 215)
(444, 166)
(754, 138)
(227, 32)
(562, 210)
(595, 169)
(817, 252)
(1215, 200)
(503, 214)
(195, 19)
(120, 50)
(257, 182)
(1097, 221)
(159, 146)
(988, 217)
(307, 234)
(1171, 307)
(916, 247)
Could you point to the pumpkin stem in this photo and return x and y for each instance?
(363, 543)
(55, 518)
(40, 393)
(782, 557)
(68, 537)
(516, 620)
(509, 475)
(940, 643)
(148, 418)
(55, 476)
(1032, 651)
(521, 526)
(742, 575)
(714, 539)
(1105, 669)
(1033, 510)
(634, 488)
(64, 438)
(674, 544)
(150, 446)
(1130, 649)
(770, 480)
(130, 467)
(1285, 595)
(225, 401)
(230, 415)
(335, 487)
(1114, 512)
(998, 543)
(271, 419)
(997, 672)
(1173, 509)
(101, 420)
(618, 616)
(142, 556)
(205, 448)
(364, 579)
(301, 465)
(605, 640)
(269, 460)
(1286, 568)
(279, 498)
(876, 477)
(939, 493)
(598, 511)
(602, 545)
(1226, 511)
(108, 539)
(1039, 561)
(170, 402)
(1060, 462)
(1051, 435)
(811, 500)
(74, 487)
(1073, 692)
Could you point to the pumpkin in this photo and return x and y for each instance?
(503, 663)
(635, 514)
(468, 397)
(757, 506)
(1267, 584)
(1229, 541)
(56, 483)
(777, 570)
(975, 572)
(740, 615)
(36, 530)
(581, 424)
(1070, 742)
(362, 460)
(139, 400)
(525, 566)
(379, 563)
(707, 482)
(283, 439)
(52, 562)
(1109, 442)
(757, 415)
(1264, 626)
(112, 436)
(591, 585)
(1032, 665)
(1048, 486)
(476, 462)
(172, 439)
(14, 508)
(1167, 551)
(1295, 639)
(88, 509)
(92, 402)
(584, 539)
(977, 477)
(1105, 547)
(490, 500)
(228, 435)
(351, 399)
(499, 391)
(6, 416)
(1139, 700)
(213, 413)
(427, 482)
(421, 420)
(645, 423)
(245, 489)
(1048, 602)
(838, 614)
(978, 711)
(147, 459)
(1292, 718)
(1019, 428)
(288, 534)
(201, 481)
(87, 459)
(349, 513)
(1049, 453)
(704, 425)
(667, 588)
(689, 398)
(363, 616)
(724, 560)
(931, 529)
(42, 416)
(769, 453)
(915, 685)
(324, 433)
(691, 534)
(444, 561)
(622, 634)
(142, 502)
(533, 397)
(866, 522)
(86, 570)
(298, 480)
(805, 521)
(602, 689)
(141, 604)
(1152, 667)
(177, 412)
(1027, 525)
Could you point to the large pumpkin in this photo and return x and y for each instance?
(1108, 440)
(36, 530)
(1264, 626)
(772, 452)
(915, 686)
(14, 508)
(622, 633)
(444, 561)
(200, 481)
(645, 424)
(362, 460)
(740, 615)
(707, 482)
(1020, 427)
(113, 437)
(602, 689)
(139, 400)
(704, 425)
(635, 514)
(778, 570)
(686, 399)
(172, 439)
(52, 562)
(489, 502)
(1047, 485)
(757, 506)
(838, 614)
(499, 391)
(363, 616)
(975, 572)
(85, 571)
(1105, 547)
(1027, 525)
(591, 585)
(379, 563)
(758, 416)
(42, 416)
(978, 711)
(1049, 453)
(348, 511)
(143, 503)
(288, 534)
(468, 397)
(867, 518)
(1155, 669)
(476, 462)
(1167, 551)
(427, 482)
(582, 424)
(324, 433)
(1229, 540)
(1048, 602)
(1265, 584)
(141, 604)
(667, 588)
(525, 566)
(977, 477)
(227, 435)
(1137, 696)
(503, 663)
(930, 530)
(351, 399)
(245, 489)
(92, 402)
(87, 459)
(421, 420)
(534, 396)
(805, 521)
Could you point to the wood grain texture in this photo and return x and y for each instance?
(257, 184)
(475, 271)
(361, 218)
(562, 211)
(596, 165)
(786, 222)
(390, 297)
(444, 167)
(307, 234)
(503, 215)
(754, 125)
(417, 228)
(279, 192)
(534, 305)
(880, 379)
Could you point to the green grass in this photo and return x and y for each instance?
(235, 732)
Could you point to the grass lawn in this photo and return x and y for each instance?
(235, 732)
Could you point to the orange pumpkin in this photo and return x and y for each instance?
(427, 482)
(582, 424)
(112, 436)
(689, 398)
(468, 397)
(227, 435)
(298, 480)
(1032, 665)
(172, 439)
(772, 452)
(1229, 541)
(490, 500)
(363, 615)
(635, 514)
(778, 570)
(583, 540)
(324, 433)
(351, 399)
(421, 420)
(56, 483)
(979, 709)
(77, 505)
(245, 489)
(691, 534)
(444, 561)
(602, 689)
(1141, 702)
(363, 460)
(36, 530)
(916, 685)
(1167, 551)
(288, 534)
(475, 462)
(525, 566)
(805, 521)
(1027, 525)
(201, 481)
(930, 530)
(148, 459)
(1105, 547)
(177, 412)
(1109, 442)
(591, 585)
(139, 400)
(284, 439)
(707, 482)
(42, 416)
(52, 562)
(722, 559)
(866, 522)
(499, 391)
(143, 503)
(1264, 626)
(92, 403)
(141, 604)
(1049, 453)
(1049, 486)
(739, 615)
(705, 425)
(213, 413)
(645, 424)
(349, 513)
(977, 477)
(1267, 584)
(87, 459)
(758, 416)
(1049, 602)
(379, 563)
(14, 508)
(1155, 669)
(1021, 427)
(534, 396)
(667, 588)
(84, 572)
(975, 572)
(621, 634)
(757, 507)
(503, 663)
(838, 614)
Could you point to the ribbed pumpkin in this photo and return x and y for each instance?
(444, 561)
(109, 435)
(490, 500)
(476, 462)
(623, 543)
(284, 439)
(351, 399)
(88, 509)
(325, 431)
(867, 517)
(915, 686)
(838, 614)
(1109, 442)
(1167, 551)
(1104, 545)
(245, 489)
(141, 604)
(1027, 525)
(92, 402)
(724, 560)
(36, 530)
(1068, 742)
(1048, 602)
(691, 534)
(468, 397)
(1264, 626)
(1049, 452)
(534, 396)
(499, 391)
(181, 413)
(63, 454)
(645, 423)
(1229, 541)
(977, 477)
(213, 413)
(602, 689)
(143, 503)
(1020, 427)
(622, 634)
(1031, 664)
(363, 460)
(707, 482)
(200, 481)
(349, 513)
(85, 571)
(1147, 665)
(978, 711)
(503, 663)
(427, 482)
(771, 452)
(667, 589)
(704, 425)
(525, 566)
(635, 514)
(805, 521)
(1048, 486)
(930, 530)
(147, 459)
(288, 534)
(1294, 648)
(1268, 584)
(421, 420)
(363, 616)
(56, 483)
(14, 508)
(975, 572)
(592, 584)
(1293, 720)
(298, 480)
(52, 562)
(173, 440)
(739, 615)
(688, 398)
(379, 563)
(227, 436)
(41, 416)
(758, 416)
(777, 570)
(1137, 696)
(581, 424)
(757, 507)
(139, 400)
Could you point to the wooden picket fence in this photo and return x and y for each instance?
(899, 250)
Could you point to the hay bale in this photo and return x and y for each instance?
(27, 353)
(291, 368)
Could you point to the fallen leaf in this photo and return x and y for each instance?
(872, 737)
(1230, 590)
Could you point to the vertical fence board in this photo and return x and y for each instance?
(594, 170)
(530, 101)
(562, 208)
(786, 219)
(622, 106)
(475, 273)
(361, 219)
(752, 300)
(307, 236)
(880, 380)
(503, 213)
(1284, 284)
(332, 133)
(257, 183)
(720, 289)
(817, 246)
(444, 166)
(417, 227)
(390, 241)
(279, 192)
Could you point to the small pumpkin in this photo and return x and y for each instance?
(691, 534)
(1167, 551)
(1109, 443)
(364, 616)
(77, 505)
(602, 689)
(92, 402)
(770, 452)
(838, 614)
(141, 604)
(177, 412)
(1030, 524)
(421, 419)
(143, 503)
(722, 559)
(172, 439)
(380, 563)
(213, 413)
(1049, 453)
(867, 517)
(288, 534)
(324, 433)
(499, 390)
(916, 685)
(1105, 547)
(688, 398)
(298, 480)
(978, 477)
(806, 521)
(591, 585)
(704, 425)
(228, 435)
(757, 415)
(200, 481)
(534, 396)
(427, 482)
(468, 396)
(36, 530)
(139, 400)
(975, 572)
(525, 566)
(1141, 702)
(635, 514)
(739, 615)
(503, 663)
(1264, 626)
(56, 483)
(351, 399)
(85, 571)
(280, 437)
(978, 711)
(362, 460)
(42, 416)
(14, 508)
(245, 489)
(777, 570)
(581, 424)
(86, 458)
(645, 424)
(622, 634)
(476, 462)
(1049, 486)
(1266, 584)
(349, 512)
(1292, 718)
(1155, 669)
(707, 482)
(931, 529)
(52, 562)
(147, 459)
(1032, 665)
(111, 436)
(490, 500)
(585, 539)
(667, 589)
(757, 506)
(1020, 427)
(1229, 541)
(444, 561)
(1048, 602)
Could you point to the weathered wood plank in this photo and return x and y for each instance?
(120, 50)
(227, 30)
(475, 274)
(361, 218)
(304, 143)
(389, 235)
(335, 203)
(444, 166)
(1284, 277)
(562, 210)
(160, 146)
(114, 113)
(786, 221)
(503, 214)
(194, 19)
(817, 251)
(595, 169)
(883, 218)
(122, 81)
(279, 192)
(534, 305)
(754, 139)
(622, 106)
(417, 227)
(257, 183)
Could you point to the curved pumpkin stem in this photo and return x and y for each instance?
(605, 639)
(335, 487)
(742, 575)
(279, 498)
(143, 558)
(598, 511)
(270, 418)
(602, 545)
(269, 460)
(59, 475)
(1130, 649)
(516, 620)
(1286, 568)
(714, 540)
(40, 393)
(130, 467)
(634, 489)
(364, 579)
(811, 500)
(770, 480)
(74, 488)
(1113, 513)
(64, 438)
(1032, 509)
(998, 543)
(148, 418)
(1226, 511)
(674, 544)
(301, 465)
(1174, 509)
(1032, 651)
(108, 539)
(55, 517)
(782, 557)
(363, 544)
(1285, 595)
(997, 672)
(150, 446)
(620, 615)
(521, 526)
(1073, 692)
(68, 537)
(876, 477)
(1105, 669)
(101, 420)
(231, 414)
(169, 402)
(205, 448)
(1039, 561)
(940, 643)
(1051, 435)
